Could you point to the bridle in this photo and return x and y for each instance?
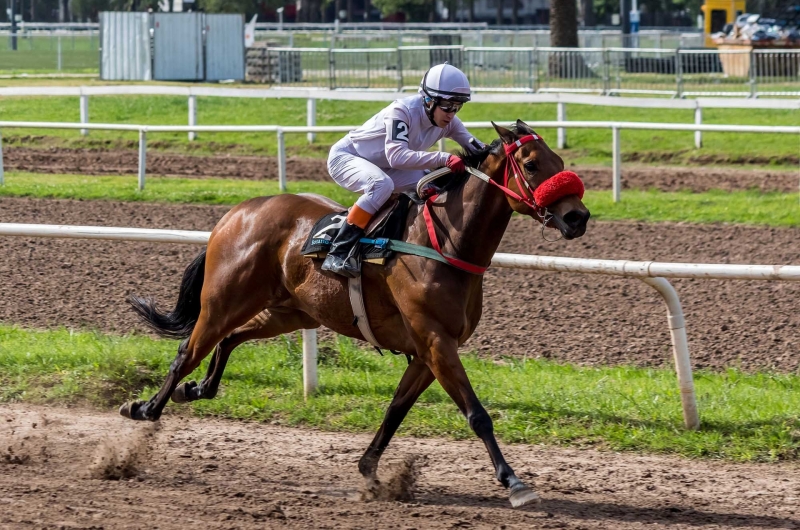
(512, 170)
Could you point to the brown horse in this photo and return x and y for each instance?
(252, 283)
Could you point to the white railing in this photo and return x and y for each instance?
(652, 273)
(616, 127)
(312, 95)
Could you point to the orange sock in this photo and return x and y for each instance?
(358, 217)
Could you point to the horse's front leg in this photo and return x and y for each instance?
(445, 364)
(415, 380)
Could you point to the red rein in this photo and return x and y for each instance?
(551, 190)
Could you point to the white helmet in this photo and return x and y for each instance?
(445, 81)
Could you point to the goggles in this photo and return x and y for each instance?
(449, 106)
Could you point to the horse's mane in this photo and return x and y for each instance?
(453, 182)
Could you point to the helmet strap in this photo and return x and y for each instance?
(429, 109)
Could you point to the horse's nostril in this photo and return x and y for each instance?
(576, 218)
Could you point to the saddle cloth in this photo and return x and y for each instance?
(388, 223)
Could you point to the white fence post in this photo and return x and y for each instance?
(680, 350)
(192, 116)
(59, 53)
(698, 120)
(616, 185)
(281, 161)
(562, 132)
(309, 362)
(142, 156)
(311, 118)
(84, 112)
(442, 145)
(2, 175)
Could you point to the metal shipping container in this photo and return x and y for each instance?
(178, 47)
(224, 47)
(125, 46)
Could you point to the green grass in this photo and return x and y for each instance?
(158, 189)
(39, 54)
(586, 146)
(744, 417)
(743, 207)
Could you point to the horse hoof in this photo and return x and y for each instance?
(132, 410)
(182, 393)
(522, 495)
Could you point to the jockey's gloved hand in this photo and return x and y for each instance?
(455, 164)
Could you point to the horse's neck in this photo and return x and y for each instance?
(477, 217)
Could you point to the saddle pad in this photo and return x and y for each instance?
(392, 227)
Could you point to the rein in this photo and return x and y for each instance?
(512, 166)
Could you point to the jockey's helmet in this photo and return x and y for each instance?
(444, 85)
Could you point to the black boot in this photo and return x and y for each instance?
(342, 257)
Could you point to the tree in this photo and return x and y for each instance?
(563, 24)
(564, 34)
(415, 10)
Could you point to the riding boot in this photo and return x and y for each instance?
(342, 257)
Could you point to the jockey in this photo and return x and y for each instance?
(389, 153)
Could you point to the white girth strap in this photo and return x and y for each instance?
(360, 312)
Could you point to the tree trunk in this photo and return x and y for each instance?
(471, 10)
(588, 13)
(515, 12)
(563, 24)
(500, 12)
(564, 34)
(349, 10)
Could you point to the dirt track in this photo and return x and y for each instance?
(125, 162)
(207, 473)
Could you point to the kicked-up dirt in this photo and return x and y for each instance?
(215, 474)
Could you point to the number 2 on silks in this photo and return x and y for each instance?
(400, 131)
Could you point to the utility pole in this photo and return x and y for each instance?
(13, 26)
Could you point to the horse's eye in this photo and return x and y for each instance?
(531, 166)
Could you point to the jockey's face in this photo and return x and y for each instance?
(442, 118)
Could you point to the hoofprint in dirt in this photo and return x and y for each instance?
(210, 473)
(593, 320)
(126, 162)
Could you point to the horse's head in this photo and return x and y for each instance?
(536, 175)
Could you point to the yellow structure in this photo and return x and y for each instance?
(717, 13)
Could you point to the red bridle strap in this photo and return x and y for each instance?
(455, 262)
(526, 198)
(512, 168)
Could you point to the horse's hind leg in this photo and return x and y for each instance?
(415, 380)
(267, 324)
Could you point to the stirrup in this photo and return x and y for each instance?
(347, 267)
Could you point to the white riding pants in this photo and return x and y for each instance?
(359, 175)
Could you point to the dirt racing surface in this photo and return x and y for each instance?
(584, 319)
(62, 468)
(126, 162)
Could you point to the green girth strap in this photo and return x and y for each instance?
(405, 248)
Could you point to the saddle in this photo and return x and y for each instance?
(388, 223)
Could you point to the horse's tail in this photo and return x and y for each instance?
(178, 323)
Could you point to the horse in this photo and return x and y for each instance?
(251, 282)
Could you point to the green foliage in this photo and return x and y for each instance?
(415, 10)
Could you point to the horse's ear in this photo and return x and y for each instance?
(505, 135)
(522, 126)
